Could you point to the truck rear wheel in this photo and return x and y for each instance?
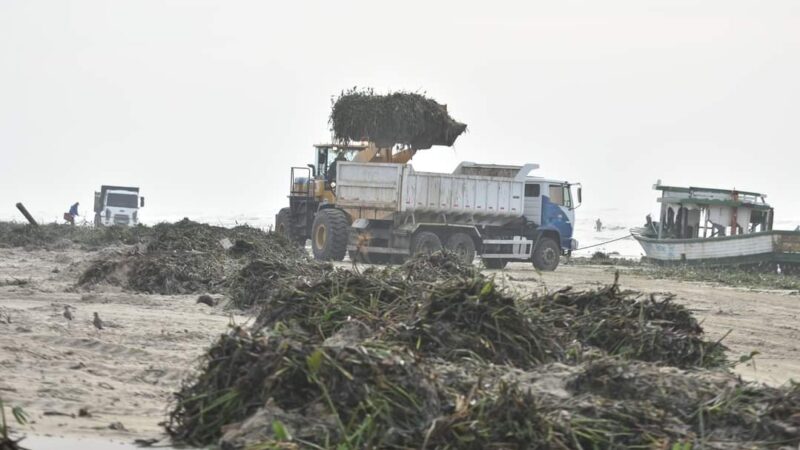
(425, 242)
(463, 246)
(329, 235)
(495, 263)
(546, 255)
(284, 226)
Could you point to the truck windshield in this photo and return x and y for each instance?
(122, 200)
(561, 195)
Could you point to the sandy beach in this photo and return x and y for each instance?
(124, 375)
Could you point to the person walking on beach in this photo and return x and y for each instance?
(73, 212)
(598, 225)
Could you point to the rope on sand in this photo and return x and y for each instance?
(604, 243)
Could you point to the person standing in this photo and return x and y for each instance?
(598, 225)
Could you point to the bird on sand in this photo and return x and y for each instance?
(97, 322)
(68, 314)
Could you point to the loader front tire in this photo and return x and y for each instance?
(329, 235)
(285, 227)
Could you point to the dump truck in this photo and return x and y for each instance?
(379, 209)
(117, 205)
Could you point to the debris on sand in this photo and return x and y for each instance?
(258, 279)
(6, 443)
(473, 319)
(399, 118)
(389, 358)
(206, 300)
(630, 325)
(187, 257)
(377, 389)
(763, 276)
(16, 414)
(436, 267)
(55, 236)
(175, 273)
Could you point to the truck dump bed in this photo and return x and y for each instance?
(398, 188)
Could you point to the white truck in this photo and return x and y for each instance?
(117, 205)
(498, 212)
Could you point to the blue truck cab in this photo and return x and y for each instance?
(550, 208)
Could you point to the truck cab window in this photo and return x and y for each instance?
(557, 194)
(532, 190)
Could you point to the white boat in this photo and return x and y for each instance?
(715, 226)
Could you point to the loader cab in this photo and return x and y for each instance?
(327, 157)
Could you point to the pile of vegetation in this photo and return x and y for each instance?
(188, 257)
(764, 276)
(399, 118)
(395, 358)
(630, 325)
(604, 259)
(57, 236)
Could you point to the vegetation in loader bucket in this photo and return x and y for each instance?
(399, 118)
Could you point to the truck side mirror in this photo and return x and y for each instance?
(141, 202)
(580, 195)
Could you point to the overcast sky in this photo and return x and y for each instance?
(206, 105)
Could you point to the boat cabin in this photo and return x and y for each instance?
(694, 212)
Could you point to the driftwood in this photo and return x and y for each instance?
(27, 215)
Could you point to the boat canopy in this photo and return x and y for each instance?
(711, 197)
(693, 212)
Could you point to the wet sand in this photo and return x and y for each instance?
(126, 373)
(123, 375)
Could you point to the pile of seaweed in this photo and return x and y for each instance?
(764, 275)
(604, 259)
(58, 236)
(399, 118)
(399, 358)
(189, 257)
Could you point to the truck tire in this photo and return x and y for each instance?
(425, 242)
(329, 235)
(463, 246)
(284, 226)
(546, 255)
(495, 263)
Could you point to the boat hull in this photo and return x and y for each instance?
(770, 246)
